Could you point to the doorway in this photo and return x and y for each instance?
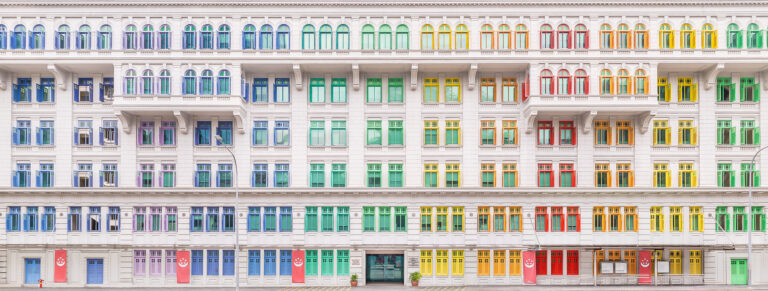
(384, 268)
(738, 272)
(31, 270)
(95, 271)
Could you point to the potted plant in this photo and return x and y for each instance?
(353, 280)
(415, 277)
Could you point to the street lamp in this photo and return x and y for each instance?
(751, 180)
(237, 229)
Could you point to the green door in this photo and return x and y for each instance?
(738, 272)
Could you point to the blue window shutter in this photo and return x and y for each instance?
(42, 37)
(253, 136)
(26, 222)
(15, 136)
(37, 136)
(101, 136)
(197, 179)
(217, 178)
(39, 93)
(52, 136)
(37, 179)
(101, 92)
(53, 93)
(101, 178)
(56, 40)
(14, 179)
(197, 134)
(16, 93)
(218, 132)
(74, 179)
(74, 93)
(75, 136)
(90, 136)
(69, 223)
(117, 134)
(116, 176)
(13, 40)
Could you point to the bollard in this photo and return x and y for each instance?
(41, 282)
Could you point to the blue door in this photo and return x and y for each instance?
(95, 271)
(31, 270)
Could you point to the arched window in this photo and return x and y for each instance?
(369, 42)
(581, 41)
(564, 85)
(687, 37)
(83, 37)
(189, 82)
(427, 37)
(130, 38)
(147, 37)
(486, 37)
(606, 36)
(504, 38)
(402, 39)
(325, 37)
(206, 83)
(624, 82)
(249, 37)
(622, 39)
(265, 37)
(342, 37)
(547, 84)
(146, 82)
(385, 37)
(206, 37)
(754, 36)
(641, 82)
(62, 38)
(734, 36)
(563, 36)
(37, 39)
(547, 37)
(606, 82)
(283, 37)
(223, 84)
(666, 37)
(521, 36)
(444, 37)
(641, 36)
(462, 37)
(224, 37)
(3, 37)
(708, 36)
(164, 82)
(18, 38)
(105, 37)
(164, 40)
(130, 82)
(308, 37)
(581, 83)
(190, 37)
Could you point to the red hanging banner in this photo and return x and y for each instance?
(529, 267)
(60, 268)
(182, 266)
(297, 271)
(645, 262)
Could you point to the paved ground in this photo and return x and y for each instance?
(398, 287)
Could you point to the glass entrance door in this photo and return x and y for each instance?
(384, 268)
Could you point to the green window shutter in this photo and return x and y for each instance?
(756, 137)
(733, 135)
(311, 263)
(733, 96)
(742, 90)
(757, 92)
(742, 135)
(733, 178)
(326, 266)
(719, 179)
(719, 136)
(757, 178)
(368, 219)
(310, 221)
(327, 219)
(342, 259)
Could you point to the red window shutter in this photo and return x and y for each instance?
(527, 88)
(574, 135)
(552, 85)
(578, 222)
(570, 39)
(570, 85)
(546, 220)
(586, 85)
(557, 263)
(586, 39)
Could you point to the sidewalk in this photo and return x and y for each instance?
(398, 287)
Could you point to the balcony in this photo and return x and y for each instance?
(181, 106)
(641, 107)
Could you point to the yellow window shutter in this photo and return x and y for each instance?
(679, 135)
(655, 178)
(679, 92)
(694, 136)
(662, 222)
(609, 178)
(596, 173)
(669, 178)
(695, 92)
(610, 133)
(669, 136)
(690, 221)
(714, 39)
(672, 39)
(679, 179)
(694, 180)
(613, 86)
(632, 180)
(661, 39)
(693, 39)
(655, 133)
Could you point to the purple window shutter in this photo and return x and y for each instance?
(138, 135)
(134, 219)
(138, 179)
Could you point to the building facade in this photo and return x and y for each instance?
(381, 138)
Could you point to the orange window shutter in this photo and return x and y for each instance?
(609, 178)
(612, 85)
(632, 180)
